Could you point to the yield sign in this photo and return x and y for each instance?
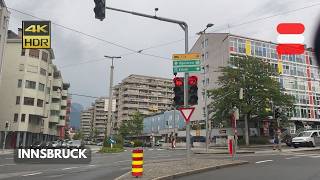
(186, 113)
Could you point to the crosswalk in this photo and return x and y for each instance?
(293, 155)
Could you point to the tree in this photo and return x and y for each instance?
(78, 135)
(133, 127)
(261, 91)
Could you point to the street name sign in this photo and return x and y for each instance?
(186, 62)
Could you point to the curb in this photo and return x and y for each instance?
(196, 171)
(245, 152)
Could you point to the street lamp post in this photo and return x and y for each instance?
(205, 83)
(108, 128)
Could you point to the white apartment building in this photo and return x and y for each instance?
(86, 122)
(33, 95)
(4, 22)
(145, 94)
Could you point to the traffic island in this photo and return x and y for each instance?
(220, 151)
(174, 169)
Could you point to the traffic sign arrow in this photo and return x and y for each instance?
(186, 113)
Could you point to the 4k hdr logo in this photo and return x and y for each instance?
(36, 34)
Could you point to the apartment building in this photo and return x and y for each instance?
(4, 22)
(145, 94)
(299, 73)
(34, 98)
(86, 122)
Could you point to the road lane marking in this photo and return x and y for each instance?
(8, 158)
(122, 161)
(7, 164)
(295, 157)
(258, 162)
(32, 174)
(70, 168)
(314, 156)
(91, 165)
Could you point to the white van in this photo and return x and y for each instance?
(309, 138)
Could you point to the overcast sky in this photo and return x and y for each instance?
(72, 49)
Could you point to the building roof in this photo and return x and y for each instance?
(12, 35)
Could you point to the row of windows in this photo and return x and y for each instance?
(29, 101)
(266, 50)
(32, 85)
(35, 53)
(305, 112)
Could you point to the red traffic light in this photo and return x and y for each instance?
(178, 81)
(193, 81)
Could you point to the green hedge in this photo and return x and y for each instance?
(111, 150)
(255, 140)
(117, 138)
(137, 143)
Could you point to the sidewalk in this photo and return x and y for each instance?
(174, 169)
(6, 151)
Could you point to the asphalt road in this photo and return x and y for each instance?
(102, 166)
(273, 166)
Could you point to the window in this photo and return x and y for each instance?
(206, 55)
(241, 46)
(48, 90)
(23, 52)
(19, 83)
(34, 53)
(15, 117)
(23, 117)
(28, 101)
(207, 80)
(41, 87)
(32, 69)
(40, 103)
(30, 84)
(44, 56)
(43, 72)
(21, 67)
(18, 100)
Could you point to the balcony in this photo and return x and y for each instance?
(64, 103)
(63, 112)
(61, 123)
(54, 119)
(57, 83)
(55, 106)
(56, 95)
(64, 92)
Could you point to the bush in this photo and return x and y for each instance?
(137, 143)
(255, 140)
(111, 150)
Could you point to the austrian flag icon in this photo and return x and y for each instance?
(290, 39)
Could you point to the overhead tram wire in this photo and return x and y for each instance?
(82, 95)
(171, 42)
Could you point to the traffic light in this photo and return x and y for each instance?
(7, 125)
(178, 91)
(100, 9)
(277, 113)
(193, 90)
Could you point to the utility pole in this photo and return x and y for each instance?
(108, 127)
(6, 129)
(184, 26)
(205, 85)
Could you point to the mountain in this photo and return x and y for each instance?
(76, 109)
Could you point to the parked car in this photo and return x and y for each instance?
(76, 144)
(56, 144)
(39, 145)
(306, 138)
(159, 143)
(127, 143)
(65, 144)
(99, 143)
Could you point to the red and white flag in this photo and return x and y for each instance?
(290, 39)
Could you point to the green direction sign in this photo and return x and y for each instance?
(186, 63)
(187, 69)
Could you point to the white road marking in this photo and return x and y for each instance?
(91, 165)
(314, 156)
(32, 174)
(150, 149)
(258, 162)
(70, 168)
(8, 158)
(7, 165)
(122, 161)
(295, 157)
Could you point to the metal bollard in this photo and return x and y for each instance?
(137, 162)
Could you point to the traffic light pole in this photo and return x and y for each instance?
(184, 26)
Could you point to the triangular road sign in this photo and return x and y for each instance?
(186, 113)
